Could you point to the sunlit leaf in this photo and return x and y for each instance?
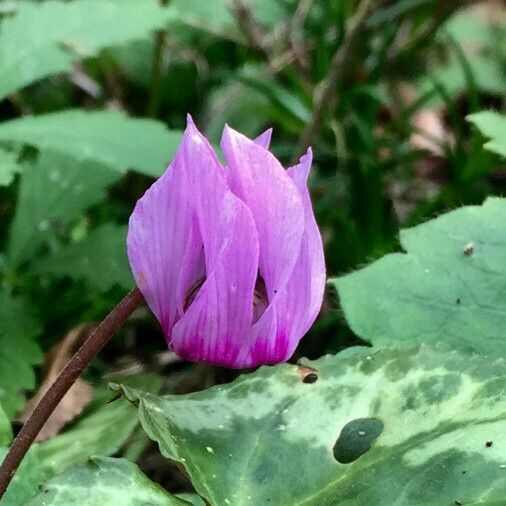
(54, 191)
(92, 435)
(473, 30)
(8, 167)
(104, 481)
(411, 427)
(102, 432)
(55, 34)
(5, 429)
(193, 499)
(107, 137)
(493, 126)
(449, 287)
(486, 73)
(24, 483)
(99, 259)
(19, 351)
(216, 16)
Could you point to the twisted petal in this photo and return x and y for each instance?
(215, 327)
(260, 181)
(293, 310)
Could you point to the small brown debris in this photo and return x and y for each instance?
(307, 374)
(469, 248)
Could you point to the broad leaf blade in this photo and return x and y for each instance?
(405, 420)
(104, 481)
(92, 435)
(106, 137)
(55, 34)
(99, 259)
(103, 432)
(217, 18)
(8, 167)
(5, 429)
(53, 192)
(24, 483)
(450, 286)
(493, 126)
(19, 352)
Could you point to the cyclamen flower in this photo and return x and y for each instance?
(229, 259)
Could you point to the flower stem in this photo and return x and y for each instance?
(109, 326)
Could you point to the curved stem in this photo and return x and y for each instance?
(109, 326)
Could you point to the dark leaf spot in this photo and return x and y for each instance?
(488, 444)
(356, 438)
(458, 300)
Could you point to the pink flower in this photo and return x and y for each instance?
(230, 260)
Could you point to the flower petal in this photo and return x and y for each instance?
(260, 181)
(311, 258)
(264, 139)
(293, 310)
(158, 235)
(215, 327)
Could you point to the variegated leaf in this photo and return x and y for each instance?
(403, 428)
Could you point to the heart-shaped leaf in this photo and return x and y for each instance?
(103, 481)
(449, 287)
(409, 427)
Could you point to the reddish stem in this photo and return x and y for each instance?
(111, 324)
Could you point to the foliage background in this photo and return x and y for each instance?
(94, 95)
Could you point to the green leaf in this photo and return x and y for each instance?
(53, 192)
(486, 72)
(56, 34)
(24, 483)
(450, 286)
(104, 481)
(99, 259)
(107, 137)
(19, 351)
(216, 17)
(405, 427)
(492, 125)
(5, 429)
(469, 28)
(193, 499)
(92, 435)
(8, 167)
